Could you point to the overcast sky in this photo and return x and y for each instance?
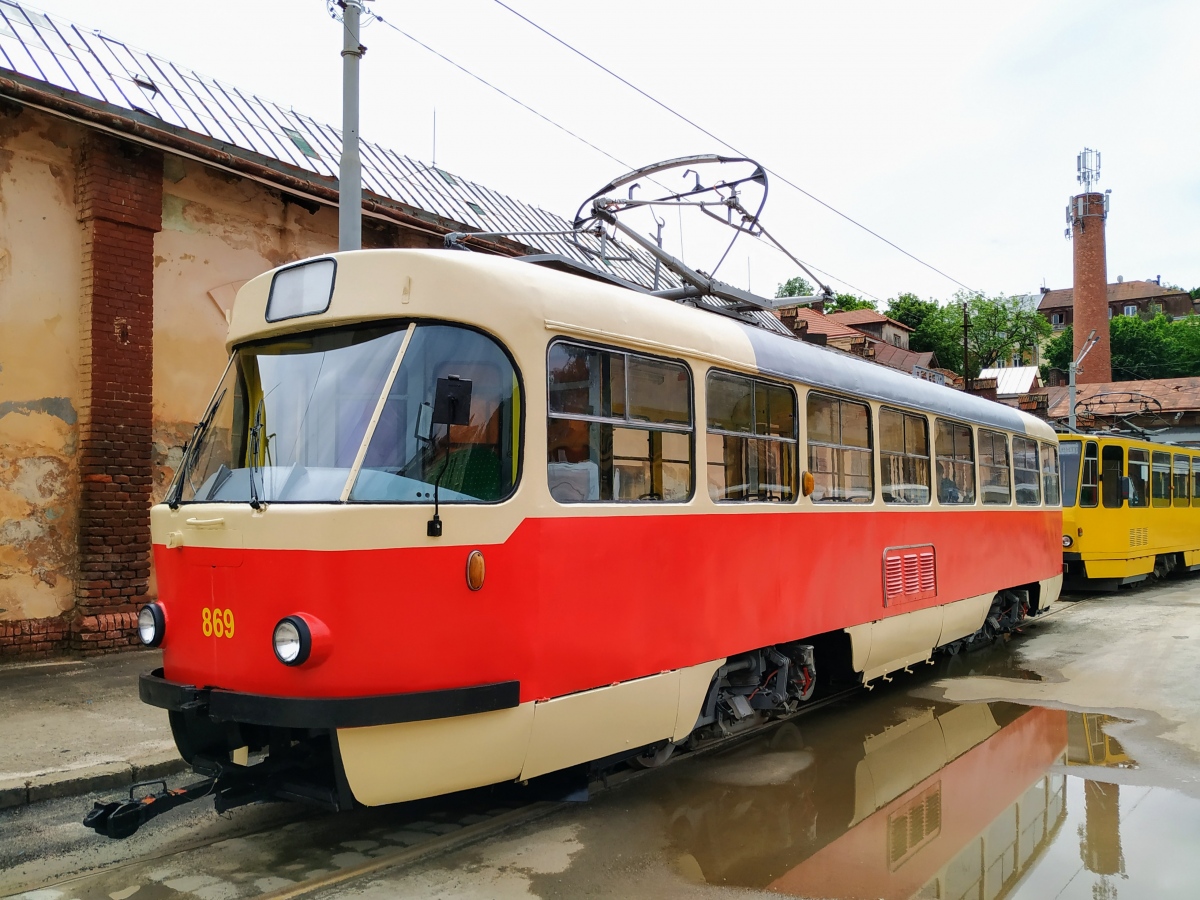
(950, 128)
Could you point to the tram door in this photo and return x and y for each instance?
(1112, 468)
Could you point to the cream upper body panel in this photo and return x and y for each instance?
(515, 301)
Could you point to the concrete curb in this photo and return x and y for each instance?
(77, 782)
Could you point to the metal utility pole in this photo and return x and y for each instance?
(350, 175)
(1073, 368)
(966, 361)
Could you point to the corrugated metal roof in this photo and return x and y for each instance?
(1176, 395)
(1014, 380)
(104, 70)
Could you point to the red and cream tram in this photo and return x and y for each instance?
(452, 520)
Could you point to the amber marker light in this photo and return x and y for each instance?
(475, 570)
(807, 483)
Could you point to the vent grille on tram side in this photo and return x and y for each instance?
(909, 573)
(1139, 537)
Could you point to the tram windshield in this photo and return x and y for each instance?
(1069, 452)
(295, 418)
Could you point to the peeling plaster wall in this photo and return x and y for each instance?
(40, 272)
(218, 232)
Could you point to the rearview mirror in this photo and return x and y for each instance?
(452, 401)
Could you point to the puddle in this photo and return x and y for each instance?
(907, 798)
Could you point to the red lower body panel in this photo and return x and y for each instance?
(574, 603)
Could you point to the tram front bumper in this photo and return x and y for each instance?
(325, 712)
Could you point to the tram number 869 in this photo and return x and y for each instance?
(216, 622)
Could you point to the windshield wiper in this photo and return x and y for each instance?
(192, 448)
(255, 443)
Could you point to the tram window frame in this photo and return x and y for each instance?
(832, 471)
(995, 476)
(1028, 486)
(1051, 481)
(466, 457)
(610, 421)
(1139, 484)
(950, 492)
(1089, 476)
(907, 460)
(752, 445)
(1195, 481)
(1110, 484)
(1071, 456)
(1160, 479)
(1179, 480)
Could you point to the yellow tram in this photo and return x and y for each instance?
(1131, 508)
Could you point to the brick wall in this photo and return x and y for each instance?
(120, 206)
(1090, 293)
(33, 638)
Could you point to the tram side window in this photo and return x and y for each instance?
(620, 426)
(903, 457)
(1089, 480)
(1139, 478)
(993, 467)
(1050, 489)
(751, 439)
(955, 463)
(1180, 485)
(1196, 481)
(1160, 479)
(1112, 460)
(1026, 471)
(839, 450)
(1071, 452)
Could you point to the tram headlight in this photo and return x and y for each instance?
(151, 624)
(1067, 540)
(292, 641)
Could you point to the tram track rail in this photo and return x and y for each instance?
(493, 826)
(435, 845)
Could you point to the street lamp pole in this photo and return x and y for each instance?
(350, 174)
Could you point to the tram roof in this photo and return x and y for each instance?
(553, 298)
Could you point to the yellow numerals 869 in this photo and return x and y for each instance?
(216, 622)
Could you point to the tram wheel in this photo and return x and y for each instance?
(653, 758)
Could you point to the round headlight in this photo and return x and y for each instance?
(151, 623)
(292, 641)
(1067, 541)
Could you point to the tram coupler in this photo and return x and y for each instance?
(121, 818)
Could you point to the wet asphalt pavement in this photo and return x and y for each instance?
(1065, 763)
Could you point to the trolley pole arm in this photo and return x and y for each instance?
(704, 282)
(1073, 368)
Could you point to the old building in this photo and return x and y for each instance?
(136, 197)
(875, 324)
(1125, 298)
(814, 326)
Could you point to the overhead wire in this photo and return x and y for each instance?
(577, 137)
(730, 146)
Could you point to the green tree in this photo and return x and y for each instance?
(1002, 327)
(909, 309)
(1141, 348)
(847, 302)
(1059, 352)
(795, 287)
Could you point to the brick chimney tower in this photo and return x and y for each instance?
(1086, 214)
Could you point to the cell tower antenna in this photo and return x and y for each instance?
(1087, 165)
